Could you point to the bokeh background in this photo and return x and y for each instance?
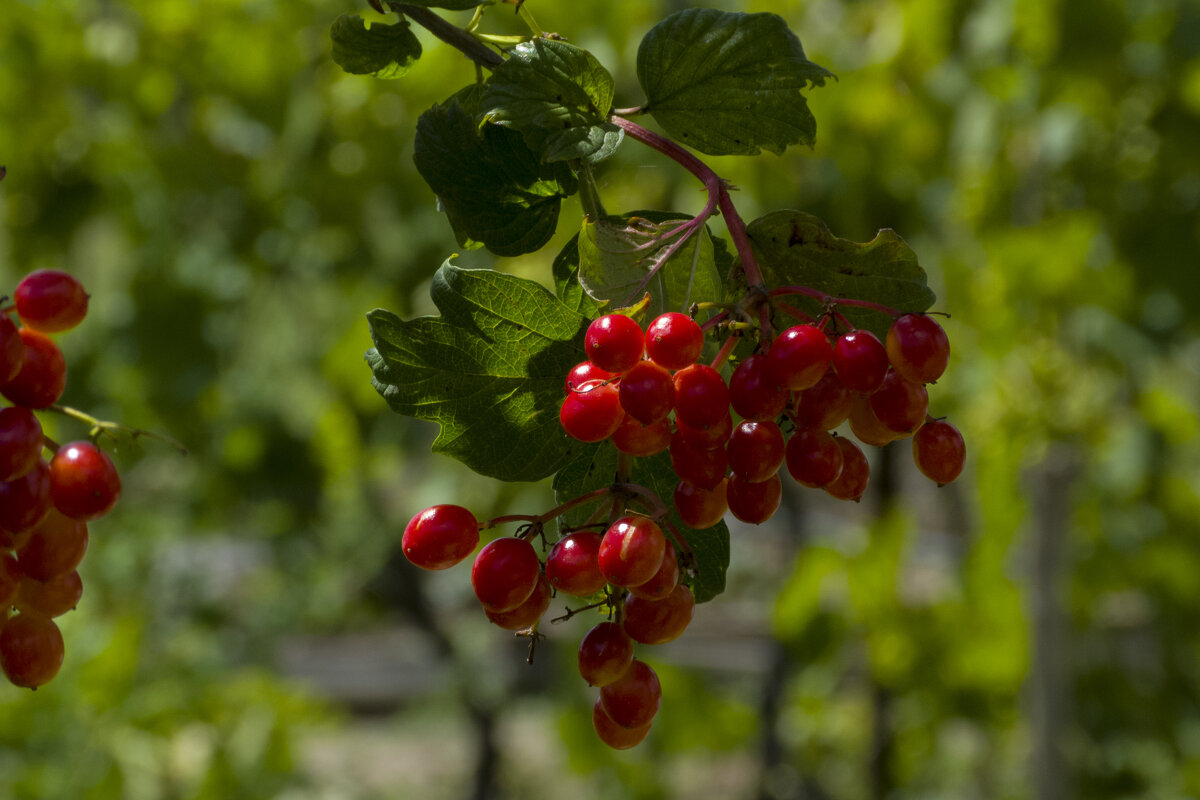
(235, 204)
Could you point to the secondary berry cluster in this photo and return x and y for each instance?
(45, 505)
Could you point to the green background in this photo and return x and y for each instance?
(235, 204)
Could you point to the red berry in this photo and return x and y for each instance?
(43, 374)
(12, 349)
(592, 413)
(701, 396)
(50, 300)
(918, 348)
(605, 654)
(573, 565)
(674, 340)
(505, 573)
(939, 451)
(753, 393)
(528, 612)
(814, 458)
(637, 439)
(53, 598)
(440, 536)
(614, 342)
(710, 438)
(83, 481)
(31, 650)
(612, 734)
(54, 548)
(799, 357)
(860, 360)
(900, 404)
(10, 581)
(825, 405)
(755, 450)
(852, 481)
(754, 503)
(647, 393)
(659, 621)
(704, 468)
(582, 373)
(631, 551)
(663, 582)
(633, 699)
(866, 426)
(25, 501)
(700, 508)
(20, 442)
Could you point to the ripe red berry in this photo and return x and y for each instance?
(54, 548)
(918, 348)
(754, 393)
(636, 439)
(674, 340)
(704, 468)
(573, 565)
(755, 450)
(663, 582)
(31, 650)
(799, 357)
(43, 374)
(12, 349)
(605, 654)
(709, 438)
(814, 458)
(20, 442)
(647, 392)
(505, 573)
(700, 508)
(939, 451)
(582, 373)
(631, 551)
(592, 413)
(701, 396)
(25, 501)
(754, 503)
(659, 621)
(614, 342)
(633, 699)
(866, 426)
(50, 300)
(52, 598)
(825, 405)
(614, 735)
(860, 360)
(83, 481)
(900, 404)
(852, 482)
(10, 580)
(440, 536)
(528, 612)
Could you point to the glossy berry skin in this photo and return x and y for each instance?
(31, 650)
(612, 734)
(528, 612)
(605, 654)
(633, 700)
(505, 573)
(84, 483)
(856, 472)
(636, 439)
(663, 582)
(614, 342)
(823, 406)
(20, 442)
(12, 349)
(440, 537)
(631, 551)
(704, 468)
(583, 373)
(754, 503)
(918, 348)
(866, 427)
(814, 458)
(573, 565)
(43, 374)
(53, 598)
(674, 340)
(50, 300)
(593, 413)
(860, 360)
(701, 396)
(900, 404)
(710, 438)
(659, 621)
(647, 392)
(25, 501)
(754, 393)
(939, 451)
(799, 357)
(755, 450)
(700, 508)
(54, 548)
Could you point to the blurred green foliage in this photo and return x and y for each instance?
(235, 204)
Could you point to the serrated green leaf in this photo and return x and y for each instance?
(558, 96)
(493, 188)
(489, 370)
(797, 249)
(382, 50)
(729, 84)
(612, 267)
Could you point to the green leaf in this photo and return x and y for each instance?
(558, 96)
(612, 267)
(593, 467)
(385, 51)
(797, 249)
(493, 188)
(449, 5)
(729, 84)
(566, 281)
(489, 370)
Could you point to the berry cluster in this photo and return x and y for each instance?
(44, 505)
(789, 397)
(633, 568)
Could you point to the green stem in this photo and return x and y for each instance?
(589, 193)
(527, 17)
(99, 427)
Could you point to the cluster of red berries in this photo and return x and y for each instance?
(633, 381)
(44, 505)
(514, 585)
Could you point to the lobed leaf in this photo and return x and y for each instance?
(729, 84)
(379, 49)
(489, 371)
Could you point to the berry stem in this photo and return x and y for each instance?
(541, 519)
(723, 354)
(828, 299)
(104, 428)
(452, 35)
